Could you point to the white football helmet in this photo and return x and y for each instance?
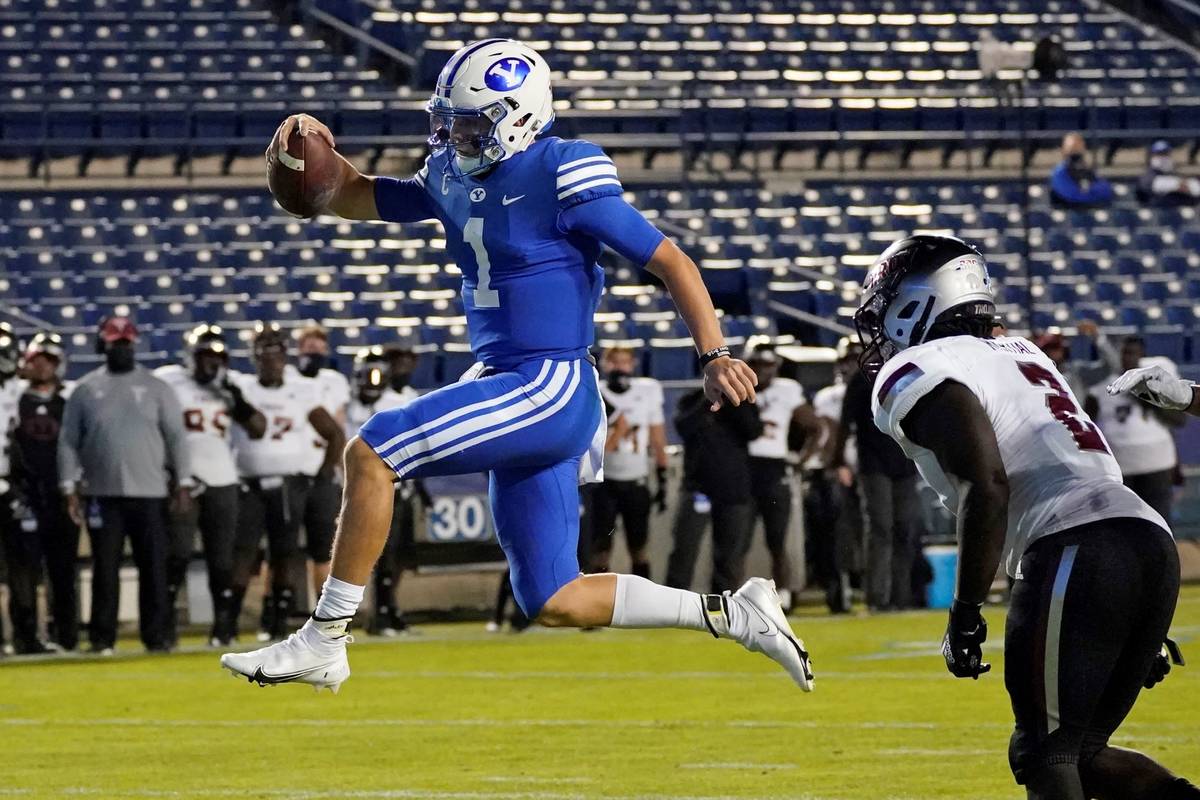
(493, 98)
(922, 285)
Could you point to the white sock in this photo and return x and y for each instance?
(640, 603)
(338, 599)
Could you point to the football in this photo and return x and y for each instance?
(303, 177)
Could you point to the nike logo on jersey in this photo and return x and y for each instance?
(506, 200)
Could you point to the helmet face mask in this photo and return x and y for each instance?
(370, 373)
(922, 287)
(49, 346)
(208, 353)
(493, 98)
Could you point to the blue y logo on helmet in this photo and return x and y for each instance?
(506, 74)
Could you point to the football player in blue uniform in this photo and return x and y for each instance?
(525, 216)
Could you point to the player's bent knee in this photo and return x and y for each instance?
(562, 609)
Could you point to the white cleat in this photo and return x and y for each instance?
(768, 632)
(297, 659)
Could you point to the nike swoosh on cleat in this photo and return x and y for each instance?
(765, 622)
(506, 200)
(263, 678)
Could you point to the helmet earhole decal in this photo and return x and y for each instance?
(908, 310)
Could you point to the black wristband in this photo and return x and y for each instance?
(959, 609)
(713, 355)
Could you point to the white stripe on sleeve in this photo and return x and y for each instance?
(583, 173)
(579, 162)
(588, 185)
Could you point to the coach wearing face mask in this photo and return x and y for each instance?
(122, 446)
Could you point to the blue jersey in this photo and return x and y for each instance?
(531, 283)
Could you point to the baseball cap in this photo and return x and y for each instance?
(1161, 146)
(115, 329)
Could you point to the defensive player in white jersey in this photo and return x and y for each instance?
(995, 430)
(1139, 433)
(273, 486)
(381, 381)
(784, 412)
(638, 437)
(212, 404)
(324, 491)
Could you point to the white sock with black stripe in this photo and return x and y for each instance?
(640, 603)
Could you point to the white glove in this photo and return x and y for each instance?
(1155, 385)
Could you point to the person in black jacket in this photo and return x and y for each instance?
(716, 473)
(888, 483)
(41, 531)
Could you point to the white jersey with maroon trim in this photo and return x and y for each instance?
(1061, 472)
(357, 413)
(206, 417)
(642, 407)
(282, 448)
(1140, 441)
(776, 404)
(335, 395)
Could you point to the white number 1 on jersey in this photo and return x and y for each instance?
(485, 295)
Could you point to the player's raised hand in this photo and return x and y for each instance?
(1155, 385)
(305, 124)
(962, 646)
(729, 380)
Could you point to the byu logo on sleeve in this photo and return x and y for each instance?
(506, 74)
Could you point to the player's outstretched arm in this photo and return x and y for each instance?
(725, 378)
(950, 422)
(355, 195)
(1159, 387)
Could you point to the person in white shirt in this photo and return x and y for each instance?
(274, 488)
(784, 412)
(831, 515)
(381, 381)
(637, 437)
(1139, 433)
(324, 495)
(212, 405)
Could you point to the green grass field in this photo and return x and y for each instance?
(551, 715)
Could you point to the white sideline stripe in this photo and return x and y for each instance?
(616, 724)
(462, 412)
(937, 752)
(737, 765)
(396, 794)
(433, 442)
(577, 175)
(1054, 634)
(579, 162)
(545, 411)
(588, 185)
